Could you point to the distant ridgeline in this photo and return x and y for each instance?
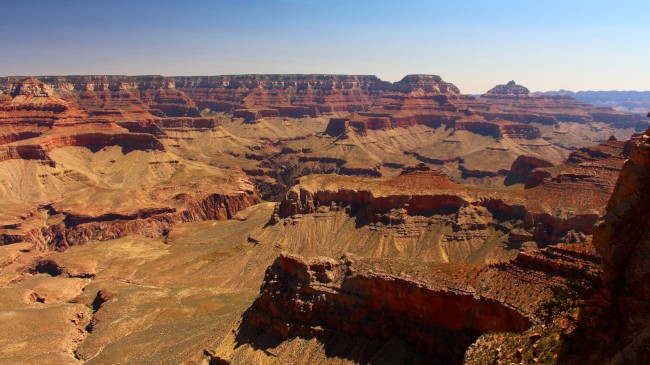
(637, 102)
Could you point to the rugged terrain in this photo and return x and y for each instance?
(280, 127)
(134, 226)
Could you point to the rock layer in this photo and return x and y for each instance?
(560, 216)
(309, 297)
(424, 313)
(623, 240)
(515, 102)
(97, 158)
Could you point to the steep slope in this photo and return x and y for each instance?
(276, 128)
(621, 237)
(421, 215)
(70, 176)
(149, 164)
(518, 102)
(355, 310)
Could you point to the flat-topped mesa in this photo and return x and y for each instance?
(577, 191)
(169, 102)
(360, 125)
(374, 199)
(309, 297)
(511, 88)
(499, 128)
(160, 127)
(252, 115)
(426, 83)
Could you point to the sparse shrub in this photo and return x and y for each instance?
(567, 300)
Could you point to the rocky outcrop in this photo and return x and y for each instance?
(40, 149)
(310, 298)
(551, 213)
(251, 115)
(511, 88)
(522, 166)
(17, 136)
(499, 128)
(130, 141)
(623, 240)
(31, 94)
(160, 127)
(357, 125)
(378, 198)
(436, 311)
(76, 228)
(596, 166)
(25, 152)
(514, 102)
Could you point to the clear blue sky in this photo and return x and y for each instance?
(542, 44)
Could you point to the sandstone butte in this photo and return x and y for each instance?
(413, 221)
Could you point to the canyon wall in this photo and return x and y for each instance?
(308, 298)
(622, 238)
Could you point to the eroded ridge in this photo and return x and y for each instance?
(309, 297)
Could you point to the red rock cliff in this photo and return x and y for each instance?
(622, 237)
(308, 298)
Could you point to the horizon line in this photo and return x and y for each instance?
(308, 74)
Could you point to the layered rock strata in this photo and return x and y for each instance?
(515, 102)
(51, 226)
(622, 238)
(596, 166)
(295, 96)
(522, 167)
(429, 194)
(309, 297)
(88, 158)
(436, 312)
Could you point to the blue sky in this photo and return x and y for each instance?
(545, 45)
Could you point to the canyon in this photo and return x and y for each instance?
(399, 222)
